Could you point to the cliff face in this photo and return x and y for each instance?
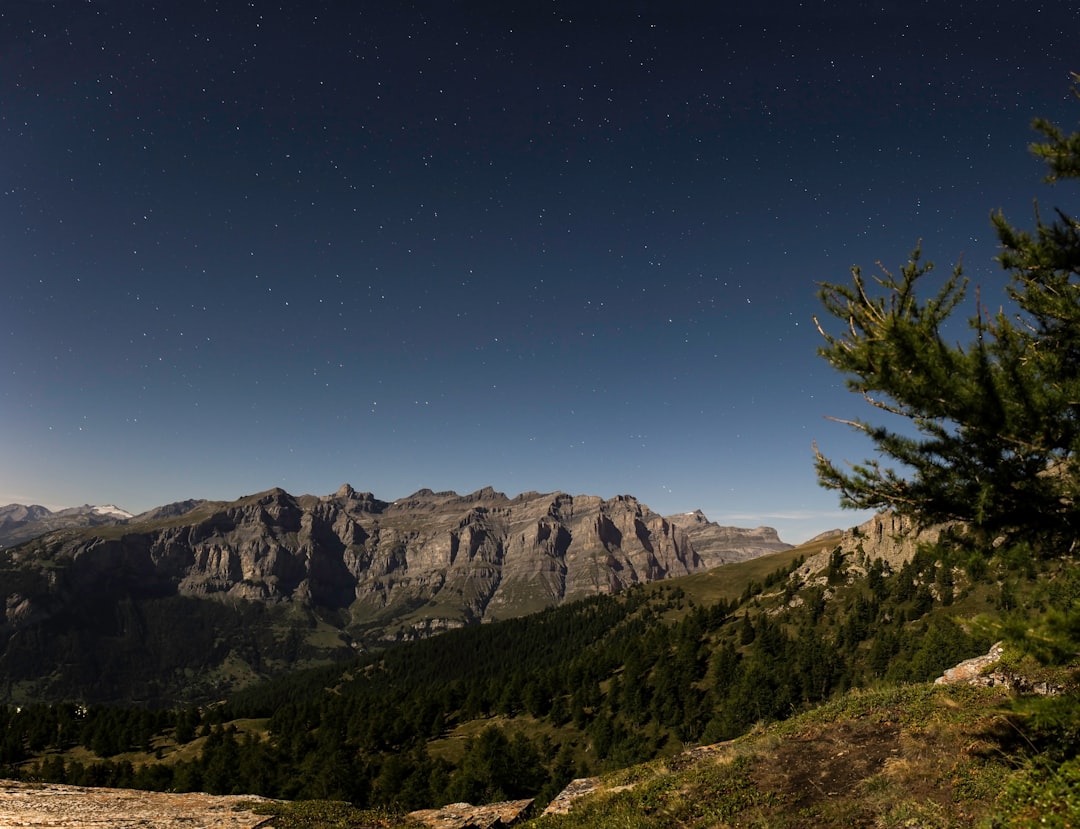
(188, 606)
(718, 544)
(351, 551)
(429, 560)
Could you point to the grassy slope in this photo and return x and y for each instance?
(912, 756)
(915, 755)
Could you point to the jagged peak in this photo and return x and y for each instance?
(426, 494)
(623, 502)
(269, 496)
(487, 493)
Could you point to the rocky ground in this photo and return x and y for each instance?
(50, 806)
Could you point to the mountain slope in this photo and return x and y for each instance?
(917, 755)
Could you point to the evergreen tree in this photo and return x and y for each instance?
(995, 422)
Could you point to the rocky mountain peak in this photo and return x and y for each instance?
(488, 493)
(172, 510)
(691, 518)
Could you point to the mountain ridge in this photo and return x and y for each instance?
(20, 523)
(327, 575)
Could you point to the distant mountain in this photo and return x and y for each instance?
(724, 545)
(20, 523)
(272, 580)
(824, 535)
(170, 510)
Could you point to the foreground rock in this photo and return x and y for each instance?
(984, 670)
(51, 806)
(976, 671)
(467, 816)
(564, 801)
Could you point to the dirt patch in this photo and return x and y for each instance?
(827, 765)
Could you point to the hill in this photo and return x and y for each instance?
(916, 755)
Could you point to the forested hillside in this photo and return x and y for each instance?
(518, 708)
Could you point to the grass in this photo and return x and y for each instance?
(327, 814)
(914, 755)
(730, 580)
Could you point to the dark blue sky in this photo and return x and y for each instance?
(536, 245)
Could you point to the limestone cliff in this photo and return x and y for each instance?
(718, 544)
(396, 569)
(190, 604)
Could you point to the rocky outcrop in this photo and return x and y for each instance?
(467, 816)
(563, 803)
(54, 806)
(886, 536)
(985, 671)
(975, 671)
(890, 537)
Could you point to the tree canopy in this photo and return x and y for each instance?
(987, 431)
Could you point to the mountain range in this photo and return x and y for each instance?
(19, 523)
(260, 585)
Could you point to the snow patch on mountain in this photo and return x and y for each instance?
(112, 510)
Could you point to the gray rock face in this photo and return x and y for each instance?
(717, 545)
(890, 537)
(407, 568)
(886, 536)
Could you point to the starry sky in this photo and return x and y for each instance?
(535, 245)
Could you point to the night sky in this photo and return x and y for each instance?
(539, 246)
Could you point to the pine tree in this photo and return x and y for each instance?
(993, 425)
